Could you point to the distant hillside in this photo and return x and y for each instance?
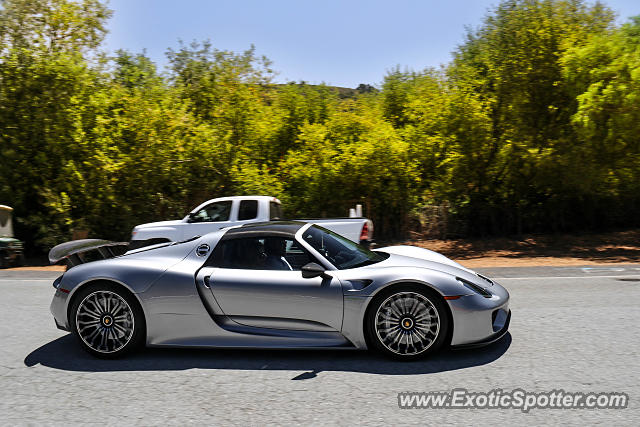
(343, 92)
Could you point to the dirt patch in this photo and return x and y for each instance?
(39, 268)
(540, 250)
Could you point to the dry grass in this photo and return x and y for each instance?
(40, 268)
(541, 250)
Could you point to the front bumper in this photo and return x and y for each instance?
(478, 320)
(489, 340)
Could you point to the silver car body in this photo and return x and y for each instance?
(188, 304)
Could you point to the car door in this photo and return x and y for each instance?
(209, 218)
(257, 282)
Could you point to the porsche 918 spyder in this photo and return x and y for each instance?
(281, 284)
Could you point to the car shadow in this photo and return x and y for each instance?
(65, 354)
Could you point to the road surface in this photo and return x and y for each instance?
(572, 328)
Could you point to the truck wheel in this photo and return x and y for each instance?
(20, 261)
(4, 263)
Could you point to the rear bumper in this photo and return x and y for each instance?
(57, 308)
(59, 326)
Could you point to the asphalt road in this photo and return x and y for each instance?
(572, 328)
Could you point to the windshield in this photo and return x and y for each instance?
(340, 251)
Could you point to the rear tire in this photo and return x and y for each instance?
(107, 320)
(407, 322)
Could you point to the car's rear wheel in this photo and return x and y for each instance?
(407, 322)
(107, 320)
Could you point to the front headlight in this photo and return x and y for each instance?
(477, 289)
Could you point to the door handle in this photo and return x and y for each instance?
(206, 281)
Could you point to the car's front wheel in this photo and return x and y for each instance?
(107, 320)
(407, 322)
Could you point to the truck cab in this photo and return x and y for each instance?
(209, 216)
(223, 212)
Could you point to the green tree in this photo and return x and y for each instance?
(52, 25)
(44, 85)
(333, 169)
(604, 76)
(224, 88)
(512, 62)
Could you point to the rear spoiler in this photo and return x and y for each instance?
(82, 251)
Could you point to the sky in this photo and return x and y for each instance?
(341, 43)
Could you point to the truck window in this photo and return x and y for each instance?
(215, 212)
(248, 210)
(275, 211)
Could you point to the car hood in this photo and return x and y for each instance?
(159, 224)
(412, 256)
(422, 253)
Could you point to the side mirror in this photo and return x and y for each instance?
(312, 270)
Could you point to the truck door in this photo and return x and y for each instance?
(212, 217)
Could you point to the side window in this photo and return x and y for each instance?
(260, 253)
(296, 255)
(215, 212)
(243, 254)
(275, 211)
(248, 210)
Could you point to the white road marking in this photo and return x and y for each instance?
(565, 277)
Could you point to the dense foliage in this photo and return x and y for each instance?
(534, 125)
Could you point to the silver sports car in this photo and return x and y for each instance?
(277, 285)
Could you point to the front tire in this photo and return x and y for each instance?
(107, 321)
(407, 322)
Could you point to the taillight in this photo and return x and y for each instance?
(364, 234)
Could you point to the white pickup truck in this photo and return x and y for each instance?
(223, 212)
